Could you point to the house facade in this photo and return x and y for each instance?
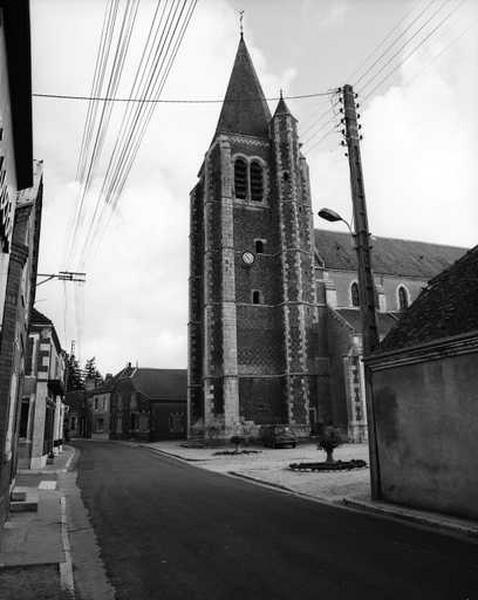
(98, 400)
(149, 405)
(424, 378)
(274, 323)
(16, 173)
(43, 408)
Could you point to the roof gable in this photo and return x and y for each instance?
(245, 109)
(404, 258)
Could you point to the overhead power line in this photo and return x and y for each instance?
(414, 50)
(179, 100)
(408, 41)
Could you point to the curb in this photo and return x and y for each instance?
(403, 514)
(389, 512)
(177, 456)
(66, 567)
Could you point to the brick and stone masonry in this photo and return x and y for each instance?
(253, 324)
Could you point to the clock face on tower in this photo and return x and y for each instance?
(248, 258)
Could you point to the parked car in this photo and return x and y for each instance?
(278, 436)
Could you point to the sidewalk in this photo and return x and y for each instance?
(34, 552)
(349, 489)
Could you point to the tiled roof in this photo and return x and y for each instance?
(75, 399)
(161, 384)
(447, 307)
(245, 109)
(352, 315)
(39, 318)
(403, 258)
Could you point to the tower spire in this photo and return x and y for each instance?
(245, 110)
(241, 25)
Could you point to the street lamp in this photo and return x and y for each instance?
(368, 315)
(330, 215)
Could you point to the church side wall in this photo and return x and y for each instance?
(339, 345)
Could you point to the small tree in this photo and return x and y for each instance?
(237, 440)
(329, 438)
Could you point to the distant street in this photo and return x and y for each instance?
(168, 530)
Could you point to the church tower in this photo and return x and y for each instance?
(253, 316)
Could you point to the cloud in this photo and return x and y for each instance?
(419, 149)
(135, 301)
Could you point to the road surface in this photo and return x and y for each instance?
(168, 530)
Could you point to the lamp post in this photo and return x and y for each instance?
(370, 339)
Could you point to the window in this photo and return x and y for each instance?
(256, 297)
(259, 246)
(402, 298)
(25, 406)
(240, 178)
(257, 182)
(354, 293)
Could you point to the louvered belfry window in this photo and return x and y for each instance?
(240, 178)
(257, 182)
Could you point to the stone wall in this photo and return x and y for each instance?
(426, 413)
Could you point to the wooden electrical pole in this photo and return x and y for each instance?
(370, 339)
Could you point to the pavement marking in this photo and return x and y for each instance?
(66, 567)
(47, 485)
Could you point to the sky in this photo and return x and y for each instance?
(419, 149)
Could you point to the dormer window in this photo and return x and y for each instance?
(257, 182)
(240, 178)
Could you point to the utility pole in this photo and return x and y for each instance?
(63, 276)
(370, 339)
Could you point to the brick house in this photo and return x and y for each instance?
(149, 404)
(424, 380)
(16, 173)
(274, 329)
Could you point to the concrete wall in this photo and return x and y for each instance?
(426, 405)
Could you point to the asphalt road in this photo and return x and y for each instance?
(170, 530)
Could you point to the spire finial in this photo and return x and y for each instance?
(281, 94)
(241, 19)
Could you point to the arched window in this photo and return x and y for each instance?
(402, 298)
(354, 294)
(257, 181)
(240, 178)
(256, 297)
